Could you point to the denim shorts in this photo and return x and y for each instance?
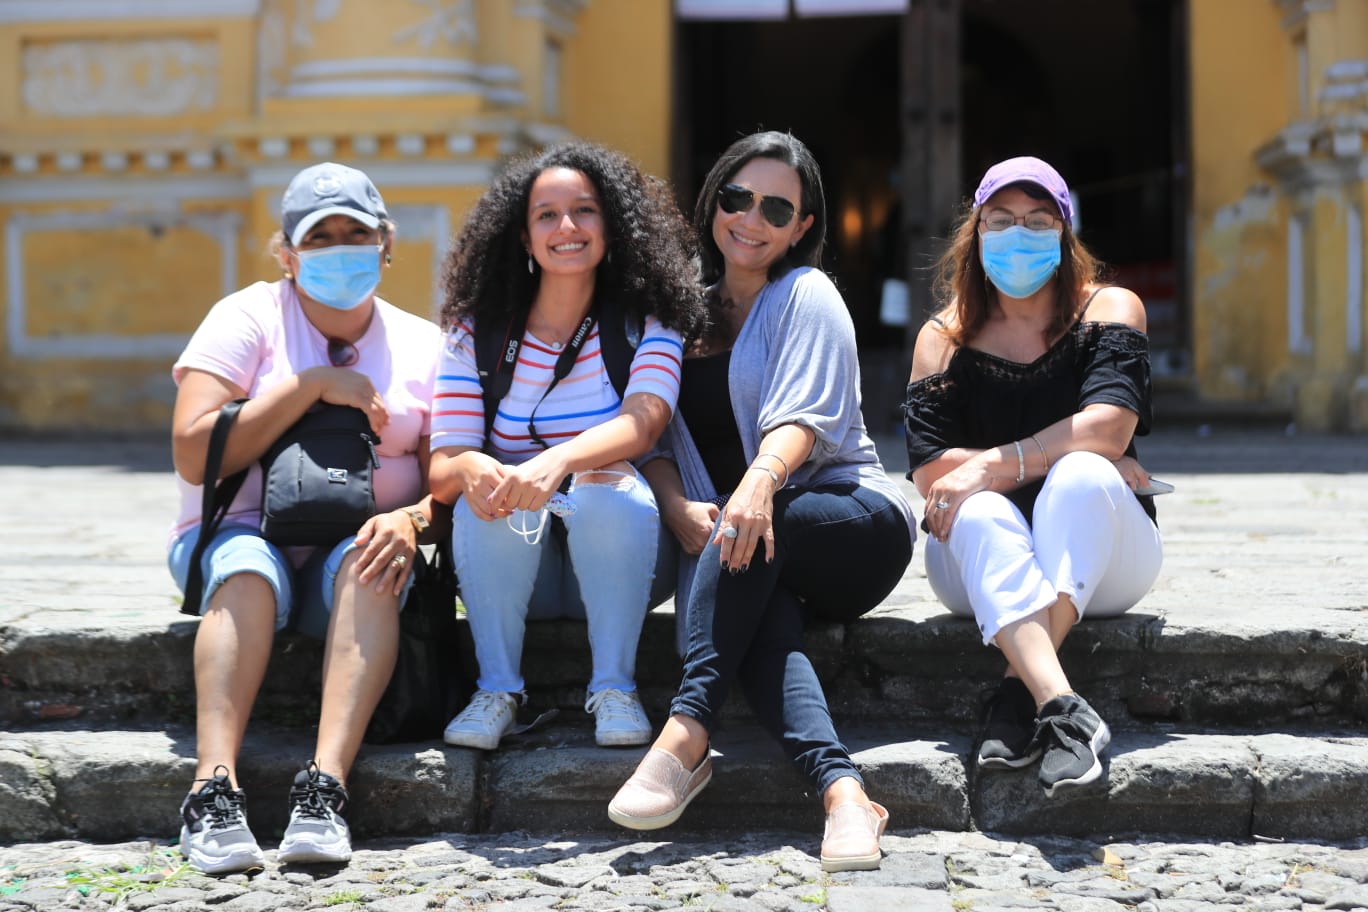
(303, 596)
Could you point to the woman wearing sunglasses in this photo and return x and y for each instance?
(775, 494)
(318, 334)
(1027, 391)
(558, 240)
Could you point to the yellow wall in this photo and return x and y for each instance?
(131, 224)
(1240, 60)
(618, 76)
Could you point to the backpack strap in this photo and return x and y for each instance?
(214, 504)
(496, 355)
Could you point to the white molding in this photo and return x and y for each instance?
(14, 11)
(425, 66)
(1298, 342)
(1354, 280)
(385, 174)
(223, 227)
(368, 88)
(432, 224)
(107, 189)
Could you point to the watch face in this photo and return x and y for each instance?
(420, 521)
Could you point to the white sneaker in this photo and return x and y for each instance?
(316, 832)
(619, 719)
(214, 835)
(487, 719)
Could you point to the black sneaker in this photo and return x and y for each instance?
(1008, 738)
(1073, 737)
(316, 832)
(214, 835)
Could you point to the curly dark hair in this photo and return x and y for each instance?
(648, 267)
(965, 294)
(784, 147)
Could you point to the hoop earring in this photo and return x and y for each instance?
(289, 275)
(531, 265)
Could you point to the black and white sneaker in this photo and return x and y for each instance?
(214, 837)
(1008, 736)
(316, 831)
(1073, 737)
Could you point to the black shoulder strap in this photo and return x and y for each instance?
(495, 359)
(496, 356)
(615, 345)
(1088, 303)
(214, 505)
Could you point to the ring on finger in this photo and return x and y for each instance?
(729, 532)
(399, 561)
(942, 505)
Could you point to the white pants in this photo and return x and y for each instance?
(1089, 540)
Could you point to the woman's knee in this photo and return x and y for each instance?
(1083, 472)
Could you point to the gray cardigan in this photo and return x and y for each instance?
(794, 362)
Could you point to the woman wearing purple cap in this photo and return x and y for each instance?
(1027, 390)
(318, 334)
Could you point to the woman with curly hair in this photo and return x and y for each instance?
(812, 524)
(1027, 391)
(559, 240)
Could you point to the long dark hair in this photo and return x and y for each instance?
(648, 267)
(784, 147)
(965, 293)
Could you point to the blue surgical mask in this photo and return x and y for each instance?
(340, 277)
(1020, 261)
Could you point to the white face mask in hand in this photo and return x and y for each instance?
(562, 505)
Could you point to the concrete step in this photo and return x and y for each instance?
(918, 665)
(110, 785)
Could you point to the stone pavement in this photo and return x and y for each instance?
(1265, 542)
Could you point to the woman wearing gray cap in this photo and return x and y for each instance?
(319, 334)
(1028, 388)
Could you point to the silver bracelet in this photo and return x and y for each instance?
(774, 476)
(781, 462)
(1021, 462)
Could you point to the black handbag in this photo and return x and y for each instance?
(317, 486)
(428, 686)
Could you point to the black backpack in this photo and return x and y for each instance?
(495, 357)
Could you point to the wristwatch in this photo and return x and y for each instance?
(420, 522)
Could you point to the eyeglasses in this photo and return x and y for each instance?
(733, 198)
(342, 353)
(1035, 221)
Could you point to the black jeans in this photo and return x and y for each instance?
(839, 551)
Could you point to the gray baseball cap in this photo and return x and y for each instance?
(328, 189)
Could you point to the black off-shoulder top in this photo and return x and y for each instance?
(981, 401)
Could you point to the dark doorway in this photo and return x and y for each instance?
(1097, 89)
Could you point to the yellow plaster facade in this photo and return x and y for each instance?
(1279, 101)
(144, 146)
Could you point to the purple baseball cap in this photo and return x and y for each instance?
(1032, 171)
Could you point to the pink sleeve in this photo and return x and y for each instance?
(229, 343)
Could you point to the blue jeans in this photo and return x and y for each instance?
(839, 550)
(605, 564)
(303, 596)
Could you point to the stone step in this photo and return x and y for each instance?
(111, 785)
(903, 661)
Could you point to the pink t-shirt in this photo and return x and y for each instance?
(259, 337)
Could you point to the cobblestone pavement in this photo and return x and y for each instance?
(937, 871)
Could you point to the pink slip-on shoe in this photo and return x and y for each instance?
(658, 792)
(851, 840)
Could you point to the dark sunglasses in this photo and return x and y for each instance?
(734, 198)
(342, 353)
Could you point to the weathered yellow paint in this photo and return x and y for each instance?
(1239, 58)
(618, 77)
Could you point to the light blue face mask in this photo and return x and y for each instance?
(1020, 261)
(340, 277)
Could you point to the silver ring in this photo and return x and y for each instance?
(942, 505)
(729, 532)
(400, 561)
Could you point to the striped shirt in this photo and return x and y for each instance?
(583, 399)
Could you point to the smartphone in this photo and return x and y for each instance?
(1155, 486)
